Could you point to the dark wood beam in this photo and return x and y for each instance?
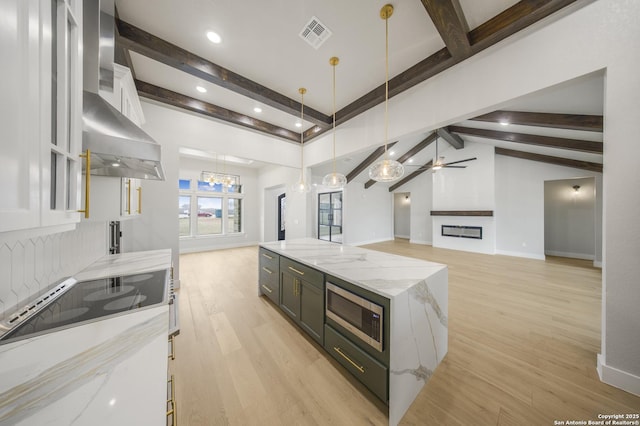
(411, 176)
(179, 100)
(448, 17)
(453, 140)
(413, 151)
(514, 19)
(146, 44)
(590, 123)
(368, 161)
(576, 164)
(549, 141)
(461, 212)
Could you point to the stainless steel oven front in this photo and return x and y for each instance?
(360, 316)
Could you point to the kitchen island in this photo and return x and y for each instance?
(415, 292)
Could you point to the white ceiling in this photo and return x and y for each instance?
(260, 41)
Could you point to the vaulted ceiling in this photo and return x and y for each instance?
(262, 61)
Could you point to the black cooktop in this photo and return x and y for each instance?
(86, 301)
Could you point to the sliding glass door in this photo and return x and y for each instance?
(330, 216)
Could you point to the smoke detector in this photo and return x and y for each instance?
(315, 32)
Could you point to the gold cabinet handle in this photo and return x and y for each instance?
(267, 256)
(139, 189)
(87, 183)
(295, 270)
(128, 196)
(343, 355)
(172, 355)
(267, 270)
(172, 408)
(264, 287)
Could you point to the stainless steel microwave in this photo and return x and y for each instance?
(360, 316)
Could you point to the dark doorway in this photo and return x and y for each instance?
(330, 216)
(282, 201)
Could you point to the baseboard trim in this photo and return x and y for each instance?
(597, 264)
(406, 237)
(620, 379)
(363, 243)
(423, 242)
(583, 256)
(520, 254)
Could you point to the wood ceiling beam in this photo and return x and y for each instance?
(153, 47)
(179, 100)
(368, 161)
(590, 123)
(453, 139)
(548, 141)
(509, 22)
(413, 151)
(411, 176)
(576, 164)
(448, 17)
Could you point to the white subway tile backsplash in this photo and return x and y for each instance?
(30, 265)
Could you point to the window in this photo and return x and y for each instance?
(207, 208)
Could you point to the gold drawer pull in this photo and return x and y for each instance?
(342, 354)
(267, 288)
(129, 196)
(267, 256)
(267, 270)
(295, 270)
(172, 355)
(171, 402)
(139, 189)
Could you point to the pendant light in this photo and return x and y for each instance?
(301, 186)
(334, 180)
(387, 169)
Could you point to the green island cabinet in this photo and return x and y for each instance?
(269, 278)
(302, 296)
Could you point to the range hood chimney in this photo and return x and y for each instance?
(118, 147)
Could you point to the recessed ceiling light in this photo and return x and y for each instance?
(213, 37)
(257, 109)
(411, 160)
(115, 164)
(201, 89)
(504, 123)
(298, 124)
(392, 153)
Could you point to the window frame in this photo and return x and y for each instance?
(194, 193)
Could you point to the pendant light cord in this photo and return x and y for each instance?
(386, 87)
(302, 91)
(334, 115)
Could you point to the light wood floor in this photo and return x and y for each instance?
(523, 339)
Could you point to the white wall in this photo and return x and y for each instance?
(471, 188)
(191, 168)
(402, 215)
(569, 218)
(367, 214)
(519, 212)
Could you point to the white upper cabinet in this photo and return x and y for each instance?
(40, 113)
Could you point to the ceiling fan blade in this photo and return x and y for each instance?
(459, 161)
(454, 167)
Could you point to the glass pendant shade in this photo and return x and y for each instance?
(301, 187)
(386, 170)
(334, 180)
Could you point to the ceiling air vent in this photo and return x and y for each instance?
(315, 32)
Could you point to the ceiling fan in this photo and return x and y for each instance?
(438, 162)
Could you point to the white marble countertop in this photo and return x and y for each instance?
(111, 371)
(383, 273)
(126, 263)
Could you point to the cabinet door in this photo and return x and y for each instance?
(19, 105)
(289, 295)
(312, 310)
(131, 197)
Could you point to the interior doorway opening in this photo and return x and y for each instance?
(402, 215)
